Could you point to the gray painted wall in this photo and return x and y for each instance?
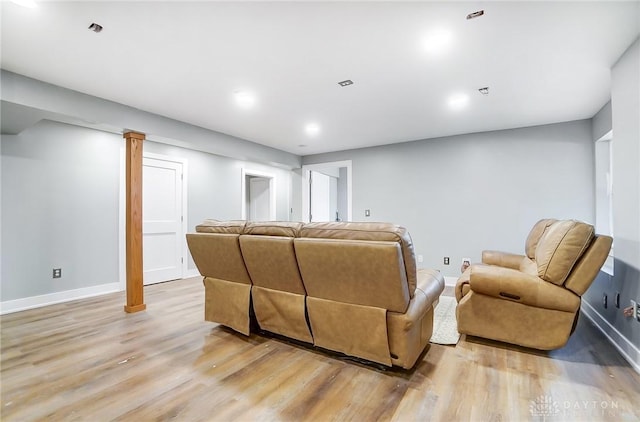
(462, 194)
(60, 195)
(343, 194)
(601, 122)
(60, 204)
(624, 118)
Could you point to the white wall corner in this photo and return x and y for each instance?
(25, 303)
(628, 350)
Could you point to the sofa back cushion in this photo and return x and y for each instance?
(385, 232)
(216, 226)
(535, 235)
(587, 268)
(273, 228)
(360, 272)
(271, 262)
(560, 248)
(218, 255)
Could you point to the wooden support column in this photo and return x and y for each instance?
(135, 295)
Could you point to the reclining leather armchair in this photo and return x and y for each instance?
(532, 300)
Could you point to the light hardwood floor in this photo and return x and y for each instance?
(88, 360)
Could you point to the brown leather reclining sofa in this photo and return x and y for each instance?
(347, 287)
(532, 300)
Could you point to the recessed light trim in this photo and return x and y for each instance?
(437, 41)
(475, 14)
(29, 4)
(95, 27)
(458, 101)
(346, 82)
(312, 129)
(244, 99)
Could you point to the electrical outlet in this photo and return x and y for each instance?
(604, 300)
(617, 300)
(446, 260)
(57, 272)
(367, 213)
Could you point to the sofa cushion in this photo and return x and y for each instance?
(273, 228)
(560, 248)
(369, 231)
(535, 235)
(215, 226)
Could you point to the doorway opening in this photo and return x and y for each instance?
(258, 196)
(327, 192)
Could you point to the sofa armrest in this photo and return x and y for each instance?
(502, 259)
(523, 288)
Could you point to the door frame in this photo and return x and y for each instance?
(244, 172)
(306, 172)
(122, 213)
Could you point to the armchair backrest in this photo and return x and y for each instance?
(587, 268)
(535, 235)
(560, 248)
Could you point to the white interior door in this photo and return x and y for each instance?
(259, 199)
(320, 197)
(161, 220)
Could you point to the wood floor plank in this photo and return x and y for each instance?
(87, 360)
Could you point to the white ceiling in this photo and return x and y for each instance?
(544, 62)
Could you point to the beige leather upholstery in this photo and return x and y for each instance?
(535, 303)
(384, 232)
(535, 234)
(347, 287)
(560, 248)
(278, 292)
(353, 271)
(228, 286)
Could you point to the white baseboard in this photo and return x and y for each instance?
(192, 273)
(628, 350)
(450, 281)
(23, 304)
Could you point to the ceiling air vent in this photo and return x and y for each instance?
(346, 83)
(475, 14)
(484, 91)
(95, 27)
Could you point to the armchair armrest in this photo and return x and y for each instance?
(509, 284)
(502, 259)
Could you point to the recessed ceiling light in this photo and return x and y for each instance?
(95, 27)
(437, 41)
(312, 129)
(244, 99)
(31, 4)
(458, 101)
(484, 91)
(346, 83)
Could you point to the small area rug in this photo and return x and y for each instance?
(445, 327)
